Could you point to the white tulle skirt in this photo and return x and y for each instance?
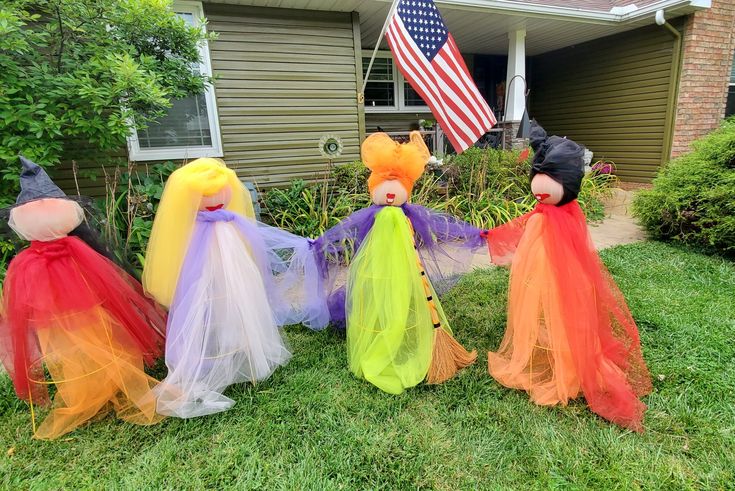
(221, 328)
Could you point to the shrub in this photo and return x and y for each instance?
(84, 70)
(351, 178)
(131, 201)
(693, 197)
(7, 251)
(477, 171)
(485, 187)
(310, 209)
(488, 187)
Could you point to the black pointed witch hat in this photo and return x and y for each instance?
(36, 184)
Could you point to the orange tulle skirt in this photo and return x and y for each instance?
(569, 331)
(96, 368)
(74, 313)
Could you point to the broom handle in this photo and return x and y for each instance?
(425, 281)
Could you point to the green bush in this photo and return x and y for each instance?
(477, 171)
(310, 209)
(485, 187)
(693, 197)
(84, 71)
(130, 204)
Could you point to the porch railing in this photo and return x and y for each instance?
(438, 144)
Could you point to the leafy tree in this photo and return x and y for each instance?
(86, 70)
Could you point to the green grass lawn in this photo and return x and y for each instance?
(314, 426)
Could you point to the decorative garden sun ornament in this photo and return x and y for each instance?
(330, 146)
(397, 333)
(569, 330)
(71, 310)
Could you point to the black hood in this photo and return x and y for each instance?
(559, 158)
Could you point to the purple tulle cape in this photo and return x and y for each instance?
(445, 244)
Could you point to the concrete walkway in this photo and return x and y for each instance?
(617, 228)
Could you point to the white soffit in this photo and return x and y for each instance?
(482, 26)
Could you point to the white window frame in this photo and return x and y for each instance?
(180, 153)
(730, 85)
(399, 95)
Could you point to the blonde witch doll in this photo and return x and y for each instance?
(229, 281)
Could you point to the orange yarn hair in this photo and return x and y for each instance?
(390, 160)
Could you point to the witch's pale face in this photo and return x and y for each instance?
(546, 190)
(46, 219)
(218, 200)
(390, 193)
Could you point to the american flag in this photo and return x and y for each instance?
(428, 58)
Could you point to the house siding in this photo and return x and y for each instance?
(284, 78)
(88, 179)
(611, 95)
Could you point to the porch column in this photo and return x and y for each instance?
(515, 88)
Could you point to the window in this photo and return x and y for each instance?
(190, 128)
(386, 89)
(730, 107)
(380, 89)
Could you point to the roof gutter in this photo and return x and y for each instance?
(674, 77)
(510, 7)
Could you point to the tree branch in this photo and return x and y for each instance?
(61, 38)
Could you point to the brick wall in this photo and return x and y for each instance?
(709, 43)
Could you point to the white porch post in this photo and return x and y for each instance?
(516, 66)
(515, 87)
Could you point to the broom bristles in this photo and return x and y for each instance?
(447, 358)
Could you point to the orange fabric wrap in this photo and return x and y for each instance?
(390, 160)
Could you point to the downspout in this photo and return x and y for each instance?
(674, 78)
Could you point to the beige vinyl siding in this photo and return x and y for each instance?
(610, 95)
(91, 165)
(284, 79)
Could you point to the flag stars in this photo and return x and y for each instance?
(422, 22)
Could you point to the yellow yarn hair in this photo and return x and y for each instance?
(175, 218)
(390, 160)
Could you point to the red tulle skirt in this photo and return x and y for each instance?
(76, 313)
(569, 329)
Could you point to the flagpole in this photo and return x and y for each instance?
(377, 44)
